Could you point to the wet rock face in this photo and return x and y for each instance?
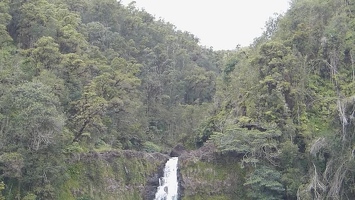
(180, 183)
(151, 187)
(177, 151)
(152, 184)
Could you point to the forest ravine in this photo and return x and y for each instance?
(94, 95)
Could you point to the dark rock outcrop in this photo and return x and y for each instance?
(153, 181)
(152, 184)
(177, 151)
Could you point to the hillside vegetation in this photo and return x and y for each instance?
(89, 85)
(285, 105)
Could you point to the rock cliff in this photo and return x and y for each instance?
(112, 175)
(209, 176)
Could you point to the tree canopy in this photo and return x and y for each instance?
(92, 75)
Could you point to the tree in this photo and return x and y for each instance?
(87, 113)
(31, 136)
(36, 20)
(5, 18)
(34, 117)
(199, 86)
(264, 183)
(44, 55)
(253, 146)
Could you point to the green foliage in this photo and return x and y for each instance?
(35, 20)
(151, 147)
(2, 188)
(291, 183)
(251, 145)
(35, 120)
(12, 164)
(207, 197)
(302, 88)
(5, 18)
(80, 76)
(88, 111)
(219, 179)
(74, 148)
(264, 183)
(46, 53)
(30, 197)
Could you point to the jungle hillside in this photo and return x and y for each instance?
(95, 94)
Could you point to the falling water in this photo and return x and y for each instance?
(168, 185)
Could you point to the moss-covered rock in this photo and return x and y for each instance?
(123, 175)
(205, 175)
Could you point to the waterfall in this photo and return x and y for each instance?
(168, 185)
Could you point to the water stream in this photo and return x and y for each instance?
(168, 185)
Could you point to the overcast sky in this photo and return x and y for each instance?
(222, 24)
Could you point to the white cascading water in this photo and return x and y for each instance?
(168, 185)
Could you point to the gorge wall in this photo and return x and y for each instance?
(113, 175)
(209, 176)
(133, 175)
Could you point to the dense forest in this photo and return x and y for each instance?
(84, 78)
